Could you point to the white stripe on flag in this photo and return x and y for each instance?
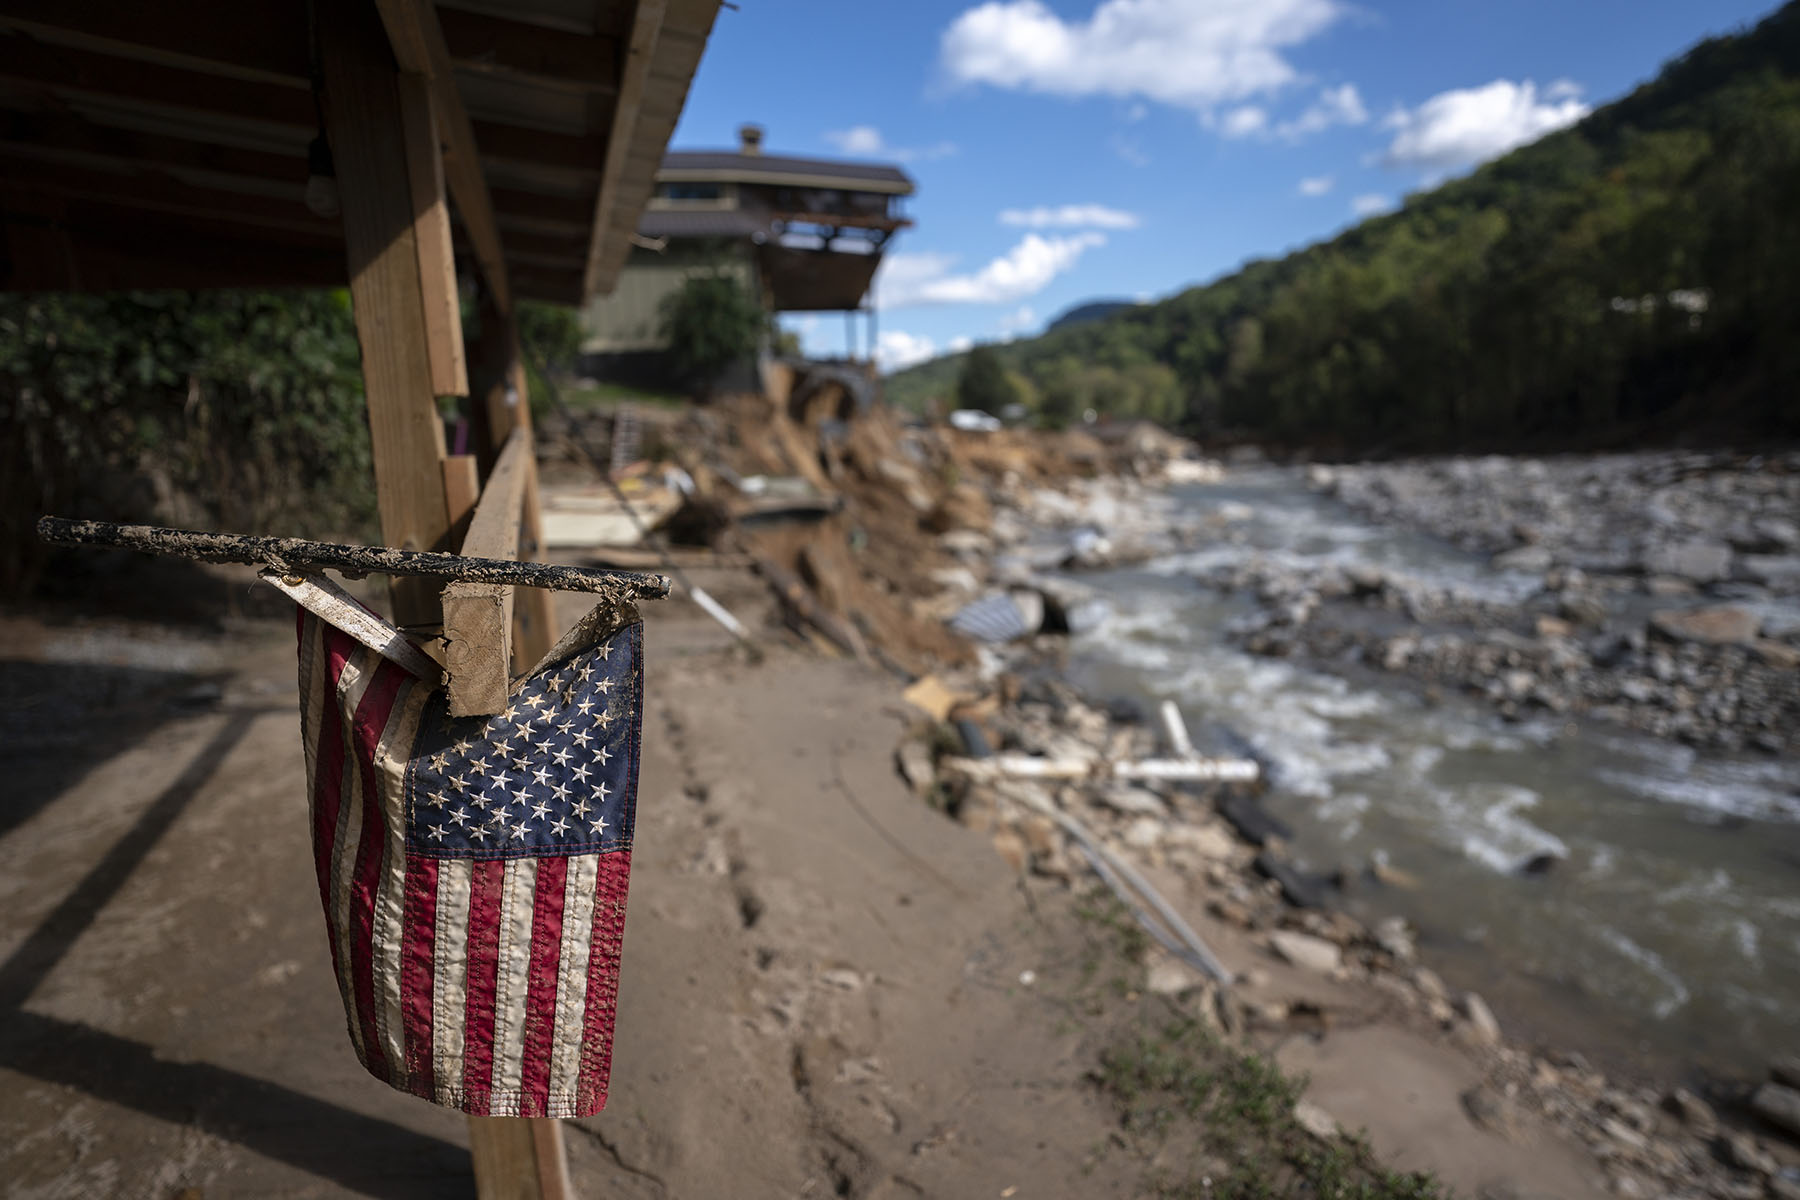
(450, 975)
(391, 755)
(352, 683)
(517, 896)
(571, 977)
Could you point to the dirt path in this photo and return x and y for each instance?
(828, 989)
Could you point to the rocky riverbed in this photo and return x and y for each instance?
(1649, 593)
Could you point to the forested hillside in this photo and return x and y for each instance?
(1637, 274)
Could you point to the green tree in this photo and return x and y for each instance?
(710, 323)
(985, 383)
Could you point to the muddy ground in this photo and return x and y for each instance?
(828, 988)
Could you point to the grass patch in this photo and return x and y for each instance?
(1212, 1118)
(605, 396)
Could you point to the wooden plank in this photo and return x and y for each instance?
(483, 42)
(640, 51)
(462, 488)
(519, 1158)
(478, 616)
(367, 130)
(431, 230)
(268, 43)
(418, 44)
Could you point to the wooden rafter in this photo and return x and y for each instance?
(268, 42)
(640, 53)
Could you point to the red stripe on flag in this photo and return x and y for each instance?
(603, 980)
(371, 721)
(540, 986)
(485, 886)
(418, 945)
(328, 771)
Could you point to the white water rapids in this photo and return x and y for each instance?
(1667, 938)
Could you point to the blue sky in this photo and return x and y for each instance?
(1082, 149)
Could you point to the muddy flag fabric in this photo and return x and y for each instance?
(474, 870)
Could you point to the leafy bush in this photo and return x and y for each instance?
(711, 323)
(240, 410)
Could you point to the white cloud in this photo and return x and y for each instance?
(1242, 122)
(895, 349)
(1317, 185)
(959, 343)
(1370, 203)
(1340, 105)
(1335, 106)
(1131, 151)
(1070, 216)
(1137, 112)
(865, 141)
(1469, 125)
(1193, 54)
(1017, 322)
(1023, 271)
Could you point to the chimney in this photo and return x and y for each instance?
(750, 139)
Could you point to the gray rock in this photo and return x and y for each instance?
(1304, 950)
(1491, 1111)
(1777, 570)
(1133, 801)
(1533, 560)
(1779, 1106)
(1741, 1151)
(1785, 1184)
(1694, 1112)
(1482, 1024)
(1777, 531)
(1315, 1120)
(916, 767)
(1719, 625)
(1699, 559)
(1392, 935)
(1786, 1070)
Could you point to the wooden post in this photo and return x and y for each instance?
(519, 1158)
(478, 617)
(369, 137)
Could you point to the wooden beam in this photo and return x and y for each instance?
(489, 44)
(268, 42)
(462, 488)
(367, 129)
(478, 616)
(640, 51)
(418, 44)
(62, 72)
(431, 229)
(519, 1158)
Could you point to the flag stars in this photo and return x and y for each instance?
(581, 738)
(540, 810)
(438, 832)
(460, 817)
(542, 775)
(580, 772)
(603, 755)
(559, 826)
(598, 825)
(520, 830)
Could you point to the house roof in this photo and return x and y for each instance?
(709, 222)
(731, 166)
(141, 147)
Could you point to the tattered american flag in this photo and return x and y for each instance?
(474, 870)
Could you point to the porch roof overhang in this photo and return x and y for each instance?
(144, 147)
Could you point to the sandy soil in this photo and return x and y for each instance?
(822, 990)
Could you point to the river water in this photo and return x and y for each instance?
(1667, 941)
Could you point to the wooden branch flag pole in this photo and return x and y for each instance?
(300, 554)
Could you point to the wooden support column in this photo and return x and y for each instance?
(369, 134)
(478, 617)
(506, 406)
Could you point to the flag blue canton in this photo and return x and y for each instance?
(550, 776)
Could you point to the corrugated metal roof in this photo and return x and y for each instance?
(775, 167)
